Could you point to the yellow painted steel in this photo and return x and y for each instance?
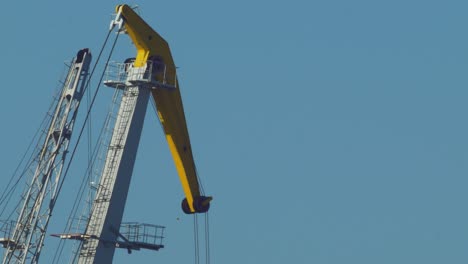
(168, 101)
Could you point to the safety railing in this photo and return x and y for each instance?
(6, 227)
(118, 75)
(143, 233)
(6, 231)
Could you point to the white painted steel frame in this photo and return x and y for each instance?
(111, 195)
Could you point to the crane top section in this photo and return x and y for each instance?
(154, 50)
(147, 41)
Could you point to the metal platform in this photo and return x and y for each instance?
(132, 236)
(141, 235)
(8, 243)
(6, 230)
(119, 75)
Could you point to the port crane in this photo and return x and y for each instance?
(151, 74)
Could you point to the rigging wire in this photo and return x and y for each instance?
(153, 104)
(207, 238)
(87, 114)
(195, 233)
(33, 158)
(195, 219)
(196, 228)
(200, 183)
(45, 133)
(202, 190)
(86, 179)
(89, 123)
(6, 194)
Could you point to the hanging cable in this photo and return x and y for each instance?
(6, 194)
(153, 104)
(59, 252)
(89, 124)
(33, 158)
(61, 245)
(88, 113)
(207, 238)
(195, 216)
(87, 178)
(195, 232)
(200, 183)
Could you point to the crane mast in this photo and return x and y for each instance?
(111, 195)
(39, 199)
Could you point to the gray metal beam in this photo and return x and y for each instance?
(111, 195)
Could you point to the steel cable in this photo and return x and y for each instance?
(195, 231)
(207, 238)
(6, 194)
(58, 252)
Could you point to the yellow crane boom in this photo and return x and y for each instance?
(151, 47)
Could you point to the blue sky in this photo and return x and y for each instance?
(327, 131)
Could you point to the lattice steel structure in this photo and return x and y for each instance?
(26, 240)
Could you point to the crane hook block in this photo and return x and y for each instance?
(201, 204)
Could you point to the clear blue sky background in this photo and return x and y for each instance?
(327, 131)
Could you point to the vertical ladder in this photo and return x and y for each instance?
(103, 227)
